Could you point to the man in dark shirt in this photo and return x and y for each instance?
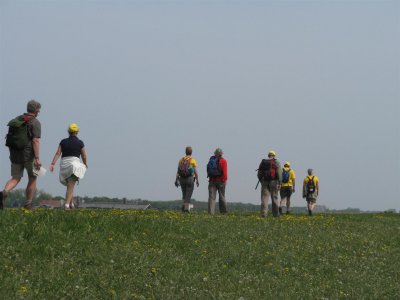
(26, 158)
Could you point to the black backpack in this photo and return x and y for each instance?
(268, 170)
(213, 167)
(19, 132)
(311, 185)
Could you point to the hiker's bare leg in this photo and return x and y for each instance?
(11, 184)
(30, 191)
(70, 192)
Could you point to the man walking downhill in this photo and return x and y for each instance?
(287, 188)
(217, 173)
(23, 140)
(270, 176)
(186, 176)
(310, 190)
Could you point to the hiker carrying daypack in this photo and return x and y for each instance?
(310, 185)
(184, 168)
(19, 132)
(213, 167)
(268, 170)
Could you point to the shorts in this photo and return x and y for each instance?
(311, 200)
(286, 192)
(17, 170)
(72, 178)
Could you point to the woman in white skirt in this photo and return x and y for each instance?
(72, 169)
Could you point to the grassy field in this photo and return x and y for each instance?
(93, 254)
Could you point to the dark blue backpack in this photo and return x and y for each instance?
(213, 167)
(285, 176)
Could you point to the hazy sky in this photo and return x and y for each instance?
(317, 81)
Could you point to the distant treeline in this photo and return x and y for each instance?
(16, 198)
(203, 206)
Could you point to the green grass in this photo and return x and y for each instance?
(99, 254)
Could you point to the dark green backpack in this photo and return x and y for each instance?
(19, 132)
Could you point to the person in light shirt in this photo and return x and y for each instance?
(311, 190)
(186, 176)
(287, 187)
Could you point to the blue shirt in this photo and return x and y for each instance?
(71, 146)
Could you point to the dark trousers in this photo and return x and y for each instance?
(187, 186)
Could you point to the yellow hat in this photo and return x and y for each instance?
(287, 164)
(73, 128)
(271, 152)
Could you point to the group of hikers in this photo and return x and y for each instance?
(273, 178)
(23, 141)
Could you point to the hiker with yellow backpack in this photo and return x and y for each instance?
(186, 176)
(310, 190)
(287, 187)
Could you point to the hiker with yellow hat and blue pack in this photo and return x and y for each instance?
(287, 187)
(72, 169)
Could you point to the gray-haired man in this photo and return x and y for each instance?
(25, 156)
(270, 176)
(217, 173)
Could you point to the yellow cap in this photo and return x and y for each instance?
(271, 152)
(73, 128)
(287, 164)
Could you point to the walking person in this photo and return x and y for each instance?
(311, 190)
(23, 140)
(270, 175)
(217, 173)
(71, 150)
(287, 187)
(186, 176)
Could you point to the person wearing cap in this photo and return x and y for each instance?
(26, 158)
(186, 176)
(72, 169)
(311, 190)
(287, 187)
(217, 182)
(270, 175)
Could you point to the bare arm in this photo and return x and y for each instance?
(196, 177)
(55, 158)
(84, 157)
(36, 147)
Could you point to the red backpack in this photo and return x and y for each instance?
(268, 170)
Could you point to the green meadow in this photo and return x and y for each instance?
(115, 254)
